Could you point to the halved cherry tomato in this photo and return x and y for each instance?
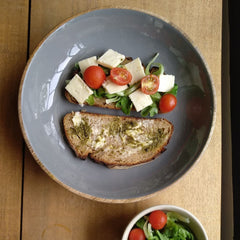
(158, 219)
(150, 84)
(120, 76)
(167, 103)
(136, 234)
(94, 77)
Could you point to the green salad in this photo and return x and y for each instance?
(159, 225)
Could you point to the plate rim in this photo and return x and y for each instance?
(44, 168)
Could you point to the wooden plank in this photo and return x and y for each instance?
(51, 212)
(228, 205)
(13, 56)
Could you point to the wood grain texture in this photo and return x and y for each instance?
(52, 212)
(13, 56)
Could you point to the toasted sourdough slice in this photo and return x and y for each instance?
(117, 142)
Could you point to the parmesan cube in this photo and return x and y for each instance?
(111, 59)
(85, 63)
(78, 89)
(136, 69)
(140, 100)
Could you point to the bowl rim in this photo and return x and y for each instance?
(30, 147)
(164, 207)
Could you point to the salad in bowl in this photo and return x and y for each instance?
(165, 222)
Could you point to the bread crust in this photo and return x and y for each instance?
(116, 159)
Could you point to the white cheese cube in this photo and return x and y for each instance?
(111, 59)
(113, 87)
(140, 100)
(136, 69)
(85, 63)
(78, 89)
(166, 82)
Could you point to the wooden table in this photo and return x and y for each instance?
(32, 205)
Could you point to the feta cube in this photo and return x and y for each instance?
(166, 82)
(111, 59)
(85, 63)
(136, 69)
(140, 100)
(113, 87)
(78, 89)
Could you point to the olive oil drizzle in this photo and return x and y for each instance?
(126, 130)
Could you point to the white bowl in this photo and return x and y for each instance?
(195, 225)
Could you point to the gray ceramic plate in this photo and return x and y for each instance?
(137, 34)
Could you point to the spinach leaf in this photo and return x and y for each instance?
(77, 70)
(174, 90)
(99, 93)
(125, 104)
(152, 110)
(90, 100)
(145, 111)
(106, 70)
(118, 104)
(67, 82)
(76, 67)
(156, 97)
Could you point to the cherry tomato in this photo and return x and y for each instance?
(94, 77)
(167, 103)
(150, 84)
(120, 76)
(158, 219)
(136, 234)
